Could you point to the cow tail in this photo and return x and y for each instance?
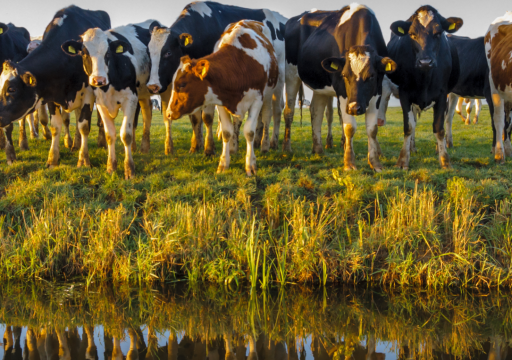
(301, 100)
(136, 118)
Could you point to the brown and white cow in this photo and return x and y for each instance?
(498, 46)
(239, 77)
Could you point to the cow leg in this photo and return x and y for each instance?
(277, 110)
(23, 141)
(77, 140)
(237, 123)
(67, 136)
(10, 154)
(227, 132)
(318, 104)
(409, 128)
(506, 134)
(129, 111)
(372, 130)
(499, 125)
(452, 104)
(349, 128)
(458, 109)
(197, 135)
(329, 142)
(478, 109)
(439, 111)
(102, 141)
(36, 122)
(265, 120)
(208, 114)
(32, 126)
(250, 129)
(56, 121)
(469, 108)
(42, 116)
(83, 126)
(169, 145)
(258, 138)
(2, 139)
(293, 84)
(147, 115)
(110, 133)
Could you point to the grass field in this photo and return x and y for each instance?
(302, 219)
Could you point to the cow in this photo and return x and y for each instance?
(116, 62)
(47, 75)
(477, 103)
(156, 105)
(195, 33)
(343, 54)
(428, 70)
(239, 77)
(498, 45)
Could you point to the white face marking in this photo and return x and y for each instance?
(358, 63)
(425, 17)
(157, 42)
(96, 42)
(503, 65)
(59, 21)
(6, 75)
(314, 10)
(201, 8)
(33, 45)
(354, 7)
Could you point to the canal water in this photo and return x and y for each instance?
(67, 322)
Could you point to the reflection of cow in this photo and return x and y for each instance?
(12, 347)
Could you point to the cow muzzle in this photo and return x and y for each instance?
(153, 88)
(354, 109)
(98, 81)
(425, 63)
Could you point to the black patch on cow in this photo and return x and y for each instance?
(85, 114)
(272, 30)
(138, 84)
(281, 32)
(378, 102)
(142, 34)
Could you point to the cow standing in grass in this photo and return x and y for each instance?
(195, 33)
(117, 65)
(498, 46)
(49, 76)
(343, 54)
(428, 70)
(239, 77)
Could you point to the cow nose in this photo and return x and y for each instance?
(154, 88)
(98, 81)
(426, 63)
(354, 109)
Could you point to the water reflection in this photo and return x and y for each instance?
(67, 323)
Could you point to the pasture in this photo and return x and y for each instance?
(301, 219)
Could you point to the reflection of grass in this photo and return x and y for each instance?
(312, 221)
(425, 323)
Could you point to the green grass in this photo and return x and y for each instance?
(302, 219)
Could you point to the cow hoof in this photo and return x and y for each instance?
(381, 122)
(129, 170)
(250, 171)
(274, 145)
(350, 167)
(10, 162)
(50, 166)
(287, 147)
(221, 169)
(24, 145)
(83, 163)
(318, 150)
(378, 170)
(210, 152)
(329, 143)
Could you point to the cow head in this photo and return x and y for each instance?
(425, 30)
(18, 95)
(97, 52)
(190, 88)
(357, 76)
(34, 44)
(166, 48)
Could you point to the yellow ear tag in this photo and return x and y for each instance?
(1, 31)
(203, 73)
(334, 66)
(452, 26)
(30, 80)
(388, 67)
(187, 41)
(401, 31)
(119, 49)
(71, 49)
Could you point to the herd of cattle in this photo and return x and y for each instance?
(243, 61)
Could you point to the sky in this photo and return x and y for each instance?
(34, 15)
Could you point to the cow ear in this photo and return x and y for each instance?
(72, 47)
(452, 25)
(201, 69)
(154, 24)
(387, 65)
(401, 28)
(333, 65)
(186, 40)
(3, 28)
(29, 79)
(120, 47)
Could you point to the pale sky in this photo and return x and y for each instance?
(36, 14)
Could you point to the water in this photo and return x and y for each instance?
(64, 322)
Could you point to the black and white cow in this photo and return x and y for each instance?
(156, 105)
(117, 64)
(343, 54)
(48, 75)
(195, 33)
(428, 70)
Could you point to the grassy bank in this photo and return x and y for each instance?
(302, 219)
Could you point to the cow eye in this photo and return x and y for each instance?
(11, 90)
(167, 54)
